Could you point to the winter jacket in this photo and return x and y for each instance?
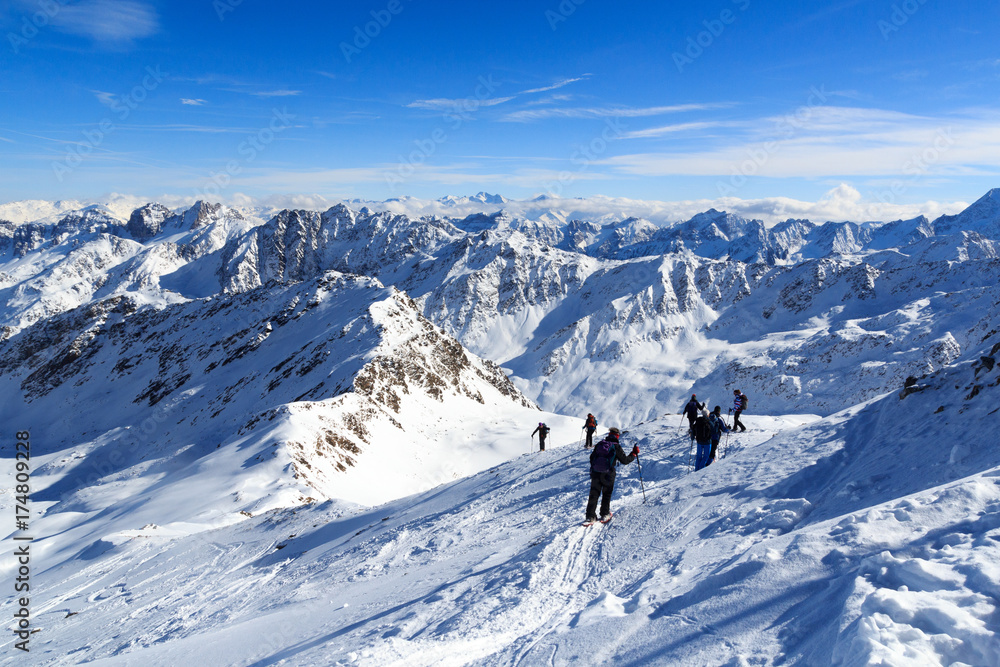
(718, 426)
(591, 423)
(542, 432)
(620, 457)
(739, 403)
(692, 407)
(702, 430)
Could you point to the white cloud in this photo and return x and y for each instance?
(529, 115)
(193, 103)
(107, 20)
(560, 84)
(671, 129)
(107, 99)
(444, 104)
(276, 93)
(833, 142)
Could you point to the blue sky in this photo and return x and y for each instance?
(668, 101)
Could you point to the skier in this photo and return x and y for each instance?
(740, 402)
(691, 410)
(542, 430)
(591, 426)
(701, 431)
(606, 455)
(718, 428)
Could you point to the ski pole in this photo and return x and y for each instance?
(641, 485)
(690, 450)
(682, 421)
(580, 441)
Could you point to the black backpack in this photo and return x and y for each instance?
(702, 430)
(602, 459)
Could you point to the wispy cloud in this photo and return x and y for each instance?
(193, 103)
(677, 127)
(276, 93)
(445, 104)
(448, 104)
(836, 142)
(107, 99)
(560, 84)
(528, 115)
(108, 20)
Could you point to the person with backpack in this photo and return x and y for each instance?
(606, 455)
(701, 431)
(591, 426)
(719, 427)
(740, 402)
(691, 410)
(542, 430)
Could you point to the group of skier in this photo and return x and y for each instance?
(705, 428)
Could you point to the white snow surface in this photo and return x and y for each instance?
(870, 537)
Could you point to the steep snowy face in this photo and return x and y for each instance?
(335, 387)
(983, 217)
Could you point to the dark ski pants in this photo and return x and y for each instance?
(590, 437)
(737, 424)
(601, 484)
(541, 443)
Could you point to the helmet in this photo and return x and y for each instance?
(694, 395)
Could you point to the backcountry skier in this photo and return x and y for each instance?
(740, 402)
(606, 455)
(591, 426)
(719, 427)
(701, 430)
(542, 430)
(691, 410)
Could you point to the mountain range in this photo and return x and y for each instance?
(187, 374)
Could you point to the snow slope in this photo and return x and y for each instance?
(870, 537)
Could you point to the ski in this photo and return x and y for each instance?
(589, 523)
(610, 516)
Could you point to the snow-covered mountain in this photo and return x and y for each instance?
(570, 309)
(221, 402)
